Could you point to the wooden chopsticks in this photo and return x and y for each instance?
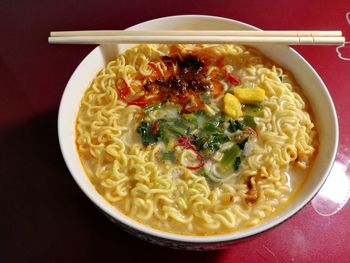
(190, 36)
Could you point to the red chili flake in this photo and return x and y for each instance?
(141, 102)
(123, 90)
(186, 142)
(201, 160)
(232, 78)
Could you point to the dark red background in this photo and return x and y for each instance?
(44, 217)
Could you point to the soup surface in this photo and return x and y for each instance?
(195, 139)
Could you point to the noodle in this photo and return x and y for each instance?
(165, 194)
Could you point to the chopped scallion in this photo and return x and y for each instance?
(230, 156)
(169, 156)
(235, 125)
(152, 107)
(249, 121)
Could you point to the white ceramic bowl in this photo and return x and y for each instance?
(313, 88)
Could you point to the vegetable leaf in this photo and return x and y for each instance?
(242, 143)
(235, 126)
(206, 97)
(152, 107)
(252, 108)
(170, 156)
(230, 156)
(249, 121)
(148, 135)
(237, 163)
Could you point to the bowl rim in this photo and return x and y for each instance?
(233, 236)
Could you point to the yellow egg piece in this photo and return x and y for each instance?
(232, 106)
(249, 95)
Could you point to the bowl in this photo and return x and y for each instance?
(313, 88)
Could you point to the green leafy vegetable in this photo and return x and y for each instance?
(252, 108)
(164, 132)
(230, 156)
(207, 133)
(210, 135)
(149, 134)
(235, 125)
(216, 120)
(237, 162)
(169, 156)
(171, 129)
(212, 142)
(206, 97)
(211, 127)
(153, 107)
(249, 121)
(169, 111)
(176, 129)
(242, 143)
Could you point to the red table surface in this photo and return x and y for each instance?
(44, 217)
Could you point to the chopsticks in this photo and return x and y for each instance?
(200, 36)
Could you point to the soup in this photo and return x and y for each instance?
(195, 139)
